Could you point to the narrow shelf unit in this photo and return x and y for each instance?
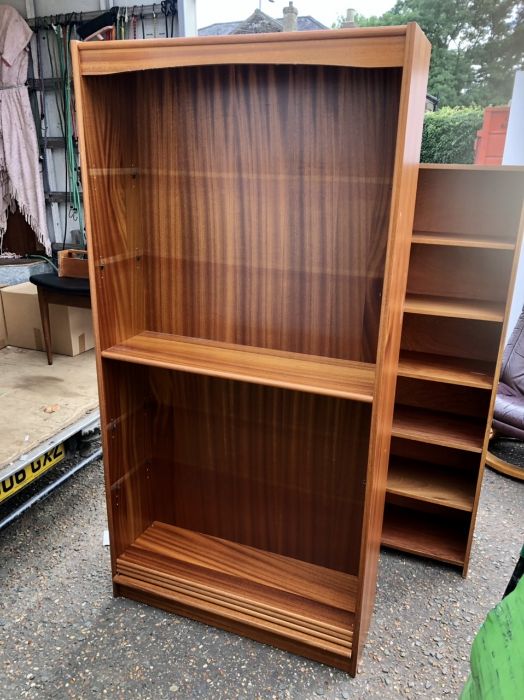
(467, 229)
(248, 262)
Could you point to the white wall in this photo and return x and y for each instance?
(514, 155)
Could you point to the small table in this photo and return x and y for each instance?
(66, 291)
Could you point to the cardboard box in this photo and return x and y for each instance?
(71, 328)
(3, 329)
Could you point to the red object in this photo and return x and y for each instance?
(489, 145)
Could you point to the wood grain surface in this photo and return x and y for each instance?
(281, 239)
(468, 340)
(480, 203)
(437, 428)
(442, 396)
(458, 271)
(255, 192)
(360, 47)
(306, 603)
(407, 156)
(426, 481)
(432, 536)
(318, 375)
(461, 240)
(275, 469)
(442, 368)
(450, 307)
(447, 457)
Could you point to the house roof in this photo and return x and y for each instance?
(259, 22)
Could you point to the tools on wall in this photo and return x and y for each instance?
(53, 99)
(127, 22)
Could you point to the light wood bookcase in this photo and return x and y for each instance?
(249, 206)
(466, 238)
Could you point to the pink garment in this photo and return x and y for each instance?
(20, 177)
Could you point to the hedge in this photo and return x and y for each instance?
(449, 135)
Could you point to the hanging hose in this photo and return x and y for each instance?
(62, 39)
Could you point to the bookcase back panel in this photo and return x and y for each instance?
(127, 452)
(459, 460)
(285, 175)
(455, 337)
(479, 204)
(279, 470)
(463, 273)
(437, 396)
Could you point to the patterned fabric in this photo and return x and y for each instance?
(20, 178)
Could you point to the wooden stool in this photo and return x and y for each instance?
(67, 291)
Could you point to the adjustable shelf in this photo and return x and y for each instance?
(442, 368)
(431, 483)
(281, 598)
(437, 428)
(454, 308)
(460, 240)
(318, 375)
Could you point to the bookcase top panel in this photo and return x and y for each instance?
(373, 47)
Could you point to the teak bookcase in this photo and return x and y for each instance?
(466, 237)
(249, 205)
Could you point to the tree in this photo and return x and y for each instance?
(476, 45)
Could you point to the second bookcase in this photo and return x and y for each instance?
(467, 233)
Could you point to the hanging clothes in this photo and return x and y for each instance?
(20, 177)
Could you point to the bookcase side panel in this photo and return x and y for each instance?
(117, 229)
(409, 136)
(518, 232)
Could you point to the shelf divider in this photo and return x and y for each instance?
(461, 240)
(441, 368)
(438, 428)
(310, 373)
(474, 309)
(431, 483)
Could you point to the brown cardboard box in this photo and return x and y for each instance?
(3, 329)
(71, 328)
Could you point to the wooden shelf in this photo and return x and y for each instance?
(431, 483)
(437, 428)
(441, 368)
(293, 601)
(454, 308)
(424, 534)
(461, 240)
(319, 375)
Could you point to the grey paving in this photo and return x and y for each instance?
(63, 635)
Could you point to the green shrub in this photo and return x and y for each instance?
(449, 135)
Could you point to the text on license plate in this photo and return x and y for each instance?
(24, 476)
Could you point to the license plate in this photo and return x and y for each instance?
(24, 476)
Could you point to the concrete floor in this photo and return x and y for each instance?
(63, 635)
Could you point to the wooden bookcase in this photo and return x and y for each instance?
(249, 205)
(466, 238)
